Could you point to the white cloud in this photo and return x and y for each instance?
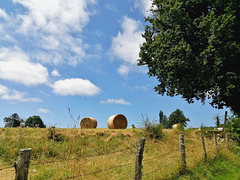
(144, 6)
(15, 66)
(3, 14)
(44, 111)
(55, 73)
(54, 28)
(115, 101)
(126, 45)
(55, 16)
(123, 70)
(13, 95)
(75, 86)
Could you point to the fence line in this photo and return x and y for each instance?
(145, 160)
(181, 149)
(145, 174)
(100, 171)
(9, 167)
(81, 156)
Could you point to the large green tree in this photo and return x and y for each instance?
(35, 121)
(193, 48)
(177, 117)
(12, 121)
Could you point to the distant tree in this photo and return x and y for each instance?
(162, 119)
(35, 121)
(217, 118)
(177, 117)
(193, 48)
(12, 121)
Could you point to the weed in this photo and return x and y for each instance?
(53, 135)
(152, 129)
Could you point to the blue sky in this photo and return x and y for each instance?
(82, 55)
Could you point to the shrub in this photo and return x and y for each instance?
(53, 135)
(152, 129)
(234, 129)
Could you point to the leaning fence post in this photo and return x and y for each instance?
(139, 157)
(216, 144)
(204, 148)
(182, 151)
(22, 164)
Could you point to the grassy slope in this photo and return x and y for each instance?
(222, 168)
(90, 144)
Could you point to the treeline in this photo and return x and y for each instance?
(176, 117)
(15, 121)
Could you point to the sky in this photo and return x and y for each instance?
(81, 55)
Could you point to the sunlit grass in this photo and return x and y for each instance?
(101, 153)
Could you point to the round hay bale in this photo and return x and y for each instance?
(117, 121)
(88, 123)
(176, 126)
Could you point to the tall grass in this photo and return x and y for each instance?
(99, 153)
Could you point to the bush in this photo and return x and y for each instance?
(53, 135)
(234, 129)
(152, 129)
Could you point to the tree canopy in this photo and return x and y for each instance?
(177, 117)
(12, 121)
(35, 121)
(193, 48)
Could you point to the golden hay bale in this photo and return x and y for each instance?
(176, 126)
(117, 121)
(88, 123)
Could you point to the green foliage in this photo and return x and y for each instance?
(12, 121)
(193, 48)
(35, 121)
(234, 129)
(152, 129)
(217, 118)
(163, 119)
(177, 117)
(53, 135)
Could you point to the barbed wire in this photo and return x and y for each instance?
(96, 172)
(9, 167)
(145, 160)
(81, 156)
(145, 174)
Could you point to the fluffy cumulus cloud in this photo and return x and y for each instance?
(55, 73)
(13, 95)
(55, 16)
(144, 6)
(115, 101)
(75, 87)
(44, 111)
(52, 27)
(125, 45)
(16, 66)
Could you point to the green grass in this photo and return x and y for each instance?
(101, 149)
(221, 168)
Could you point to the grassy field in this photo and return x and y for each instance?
(109, 154)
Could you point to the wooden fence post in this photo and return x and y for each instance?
(216, 144)
(139, 157)
(227, 141)
(22, 164)
(204, 147)
(182, 151)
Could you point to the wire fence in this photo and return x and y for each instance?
(172, 154)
